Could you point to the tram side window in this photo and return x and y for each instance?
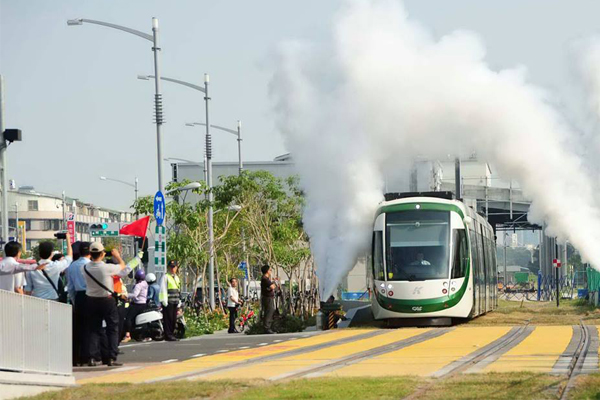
(474, 254)
(459, 261)
(378, 272)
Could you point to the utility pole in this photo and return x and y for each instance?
(457, 180)
(211, 238)
(18, 231)
(4, 179)
(505, 275)
(158, 110)
(555, 248)
(64, 212)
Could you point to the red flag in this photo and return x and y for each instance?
(137, 228)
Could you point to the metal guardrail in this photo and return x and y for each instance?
(35, 335)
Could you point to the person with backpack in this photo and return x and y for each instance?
(153, 290)
(44, 284)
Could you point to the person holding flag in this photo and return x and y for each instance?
(136, 228)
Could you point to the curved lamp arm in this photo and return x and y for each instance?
(80, 21)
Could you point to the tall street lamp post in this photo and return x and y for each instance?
(209, 183)
(237, 133)
(158, 109)
(134, 185)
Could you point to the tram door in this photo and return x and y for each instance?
(483, 269)
(475, 268)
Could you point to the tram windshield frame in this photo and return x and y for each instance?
(417, 245)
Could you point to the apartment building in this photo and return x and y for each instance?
(43, 215)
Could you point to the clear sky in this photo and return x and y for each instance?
(74, 93)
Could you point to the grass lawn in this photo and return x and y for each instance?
(473, 386)
(588, 387)
(540, 313)
(155, 391)
(334, 388)
(516, 385)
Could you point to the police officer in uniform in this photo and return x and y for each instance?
(170, 293)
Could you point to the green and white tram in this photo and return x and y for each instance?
(433, 259)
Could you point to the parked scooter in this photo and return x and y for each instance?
(148, 325)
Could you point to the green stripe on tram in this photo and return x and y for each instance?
(423, 206)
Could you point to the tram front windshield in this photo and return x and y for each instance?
(417, 244)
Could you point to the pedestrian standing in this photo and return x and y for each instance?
(76, 287)
(233, 302)
(138, 298)
(9, 266)
(153, 290)
(170, 293)
(44, 284)
(267, 298)
(102, 300)
(20, 282)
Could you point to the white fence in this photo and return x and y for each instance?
(35, 335)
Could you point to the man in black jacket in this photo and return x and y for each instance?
(267, 298)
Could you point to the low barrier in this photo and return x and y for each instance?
(593, 283)
(35, 335)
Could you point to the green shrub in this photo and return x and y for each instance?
(281, 324)
(205, 322)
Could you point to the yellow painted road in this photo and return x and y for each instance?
(538, 352)
(297, 363)
(164, 371)
(427, 357)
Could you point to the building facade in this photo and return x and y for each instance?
(44, 214)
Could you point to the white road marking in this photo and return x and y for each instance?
(222, 351)
(122, 369)
(244, 347)
(263, 344)
(198, 355)
(169, 361)
(278, 340)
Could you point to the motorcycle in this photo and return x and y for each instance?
(148, 325)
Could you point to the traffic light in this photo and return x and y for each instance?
(104, 229)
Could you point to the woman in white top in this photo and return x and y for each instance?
(233, 301)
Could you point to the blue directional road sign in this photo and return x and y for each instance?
(159, 208)
(244, 267)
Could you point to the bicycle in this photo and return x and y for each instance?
(243, 321)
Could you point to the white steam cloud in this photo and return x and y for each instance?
(385, 90)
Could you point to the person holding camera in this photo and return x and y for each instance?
(267, 297)
(102, 300)
(44, 284)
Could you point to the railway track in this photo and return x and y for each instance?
(576, 366)
(479, 359)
